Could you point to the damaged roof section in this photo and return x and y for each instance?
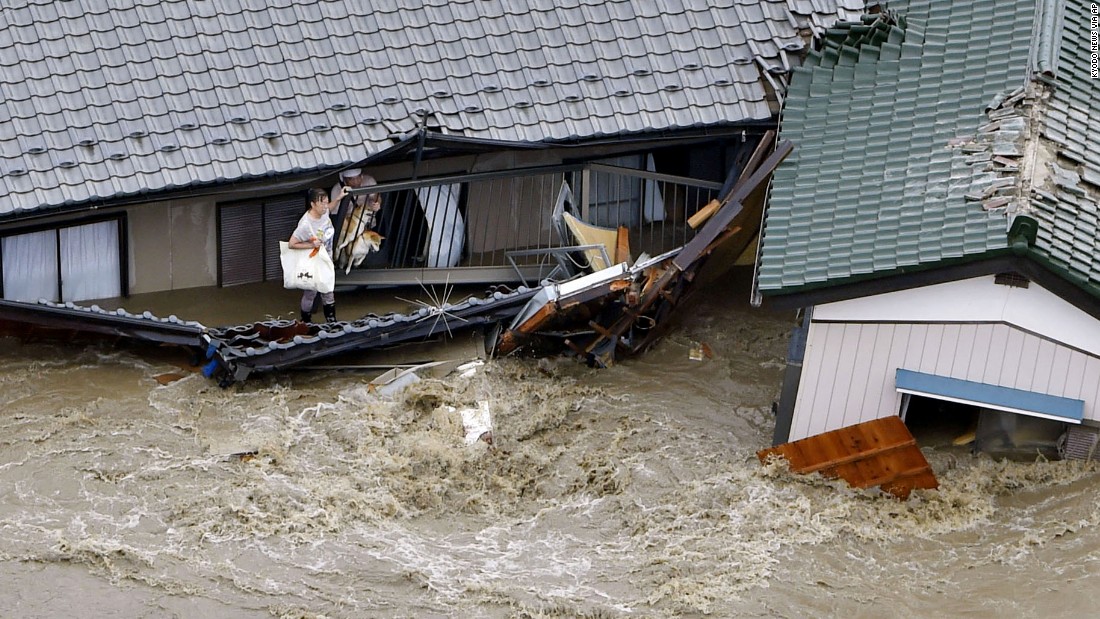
(102, 103)
(909, 133)
(1065, 194)
(237, 352)
(234, 353)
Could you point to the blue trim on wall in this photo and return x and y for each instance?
(1000, 397)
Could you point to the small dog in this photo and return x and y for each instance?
(364, 244)
(357, 237)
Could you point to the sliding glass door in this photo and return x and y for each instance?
(73, 263)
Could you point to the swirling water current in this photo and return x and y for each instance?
(627, 492)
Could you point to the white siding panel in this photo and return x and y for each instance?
(964, 352)
(1025, 373)
(1043, 362)
(812, 366)
(852, 370)
(864, 373)
(996, 358)
(914, 347)
(881, 378)
(898, 350)
(843, 377)
(930, 348)
(983, 335)
(1058, 371)
(946, 356)
(1013, 347)
(1090, 388)
(1075, 375)
(830, 398)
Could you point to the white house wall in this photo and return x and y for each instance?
(854, 348)
(975, 300)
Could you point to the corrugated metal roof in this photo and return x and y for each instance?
(102, 100)
(894, 166)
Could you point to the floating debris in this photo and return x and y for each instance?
(880, 453)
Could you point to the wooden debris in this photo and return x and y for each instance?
(704, 214)
(874, 453)
(626, 309)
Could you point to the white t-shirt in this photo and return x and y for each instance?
(308, 227)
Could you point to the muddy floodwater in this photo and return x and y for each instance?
(627, 492)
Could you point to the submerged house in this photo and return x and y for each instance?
(167, 145)
(939, 226)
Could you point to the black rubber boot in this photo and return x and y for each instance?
(307, 317)
(330, 312)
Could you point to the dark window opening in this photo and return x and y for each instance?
(938, 423)
(1000, 434)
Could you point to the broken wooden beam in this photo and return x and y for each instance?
(704, 214)
(712, 207)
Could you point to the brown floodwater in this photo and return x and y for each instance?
(627, 492)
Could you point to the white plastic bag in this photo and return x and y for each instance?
(305, 273)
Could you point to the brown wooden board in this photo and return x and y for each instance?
(874, 453)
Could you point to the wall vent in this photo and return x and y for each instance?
(1011, 279)
(1080, 443)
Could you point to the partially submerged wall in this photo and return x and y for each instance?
(972, 330)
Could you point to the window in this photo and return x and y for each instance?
(69, 263)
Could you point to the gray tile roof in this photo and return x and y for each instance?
(903, 145)
(102, 100)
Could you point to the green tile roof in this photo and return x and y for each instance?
(894, 161)
(1066, 184)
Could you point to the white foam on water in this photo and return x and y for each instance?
(632, 491)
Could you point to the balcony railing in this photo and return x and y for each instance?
(507, 226)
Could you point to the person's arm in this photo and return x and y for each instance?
(334, 203)
(294, 243)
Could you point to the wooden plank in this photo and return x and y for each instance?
(880, 453)
(856, 456)
(731, 207)
(704, 214)
(622, 245)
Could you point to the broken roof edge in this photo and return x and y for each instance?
(1023, 259)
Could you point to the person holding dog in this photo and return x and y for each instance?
(357, 213)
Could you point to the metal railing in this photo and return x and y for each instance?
(503, 226)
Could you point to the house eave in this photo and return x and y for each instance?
(1031, 265)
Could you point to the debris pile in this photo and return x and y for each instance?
(624, 309)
